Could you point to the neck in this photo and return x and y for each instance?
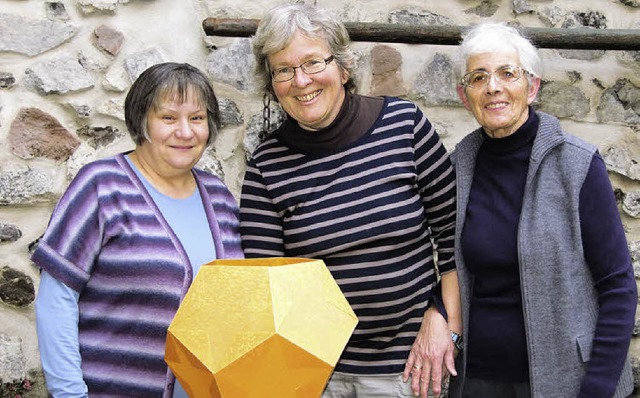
(178, 185)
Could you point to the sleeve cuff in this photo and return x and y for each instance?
(436, 300)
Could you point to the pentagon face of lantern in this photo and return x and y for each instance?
(272, 327)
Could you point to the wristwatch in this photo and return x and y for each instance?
(457, 340)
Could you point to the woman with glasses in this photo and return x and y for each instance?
(546, 282)
(366, 185)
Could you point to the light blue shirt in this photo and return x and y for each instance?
(57, 328)
(56, 306)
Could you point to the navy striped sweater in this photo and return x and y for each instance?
(372, 211)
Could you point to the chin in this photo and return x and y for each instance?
(183, 165)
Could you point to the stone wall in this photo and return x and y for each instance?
(65, 67)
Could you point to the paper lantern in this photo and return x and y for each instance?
(270, 327)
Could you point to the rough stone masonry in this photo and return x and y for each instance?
(65, 67)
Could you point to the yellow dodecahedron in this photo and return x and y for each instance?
(267, 328)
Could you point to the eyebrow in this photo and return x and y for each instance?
(485, 69)
(164, 108)
(306, 58)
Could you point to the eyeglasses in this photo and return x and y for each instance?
(480, 78)
(310, 67)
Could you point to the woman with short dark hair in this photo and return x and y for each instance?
(126, 240)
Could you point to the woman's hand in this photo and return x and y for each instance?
(431, 356)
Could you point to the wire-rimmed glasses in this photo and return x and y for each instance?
(505, 74)
(310, 67)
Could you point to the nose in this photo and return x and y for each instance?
(300, 78)
(184, 129)
(493, 84)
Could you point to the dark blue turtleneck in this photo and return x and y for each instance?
(497, 348)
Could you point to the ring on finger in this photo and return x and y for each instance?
(417, 367)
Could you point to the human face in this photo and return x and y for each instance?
(313, 100)
(178, 134)
(500, 108)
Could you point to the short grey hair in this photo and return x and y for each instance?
(168, 80)
(497, 37)
(281, 23)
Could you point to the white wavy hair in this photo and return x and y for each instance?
(493, 37)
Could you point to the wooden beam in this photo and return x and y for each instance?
(576, 39)
(229, 27)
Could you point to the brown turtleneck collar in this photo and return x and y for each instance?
(356, 117)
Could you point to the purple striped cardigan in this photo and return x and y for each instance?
(107, 240)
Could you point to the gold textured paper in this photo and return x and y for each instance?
(268, 327)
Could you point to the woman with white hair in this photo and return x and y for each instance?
(547, 287)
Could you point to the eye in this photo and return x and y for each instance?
(282, 71)
(200, 117)
(314, 62)
(477, 77)
(314, 66)
(509, 73)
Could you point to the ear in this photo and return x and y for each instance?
(463, 97)
(344, 70)
(533, 90)
(344, 76)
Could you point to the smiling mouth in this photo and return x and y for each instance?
(497, 105)
(308, 97)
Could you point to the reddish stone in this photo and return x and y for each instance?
(108, 39)
(385, 59)
(386, 64)
(36, 134)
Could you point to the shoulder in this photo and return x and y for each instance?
(469, 143)
(271, 148)
(579, 143)
(560, 153)
(395, 103)
(106, 165)
(207, 178)
(101, 172)
(399, 111)
(213, 184)
(550, 129)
